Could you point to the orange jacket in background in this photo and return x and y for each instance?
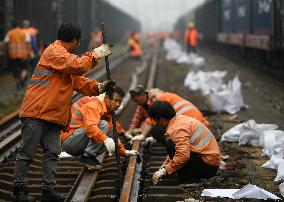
(136, 49)
(89, 116)
(190, 37)
(18, 43)
(189, 135)
(84, 100)
(140, 116)
(58, 73)
(182, 107)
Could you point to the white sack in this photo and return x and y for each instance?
(273, 142)
(228, 100)
(273, 163)
(281, 187)
(280, 172)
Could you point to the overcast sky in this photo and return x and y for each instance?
(156, 15)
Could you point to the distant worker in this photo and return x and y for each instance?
(135, 47)
(46, 106)
(96, 39)
(91, 130)
(193, 152)
(35, 50)
(191, 38)
(144, 99)
(18, 43)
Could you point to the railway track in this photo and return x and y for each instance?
(72, 178)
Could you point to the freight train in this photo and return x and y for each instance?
(48, 15)
(256, 25)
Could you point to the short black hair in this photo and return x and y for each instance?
(161, 109)
(138, 90)
(119, 91)
(68, 31)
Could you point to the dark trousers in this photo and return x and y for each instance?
(157, 133)
(195, 168)
(191, 49)
(34, 132)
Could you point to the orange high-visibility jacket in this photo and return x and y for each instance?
(89, 116)
(191, 36)
(136, 50)
(189, 135)
(181, 106)
(18, 44)
(58, 73)
(84, 100)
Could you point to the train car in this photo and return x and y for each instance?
(47, 16)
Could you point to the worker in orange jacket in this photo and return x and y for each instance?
(135, 47)
(84, 100)
(18, 43)
(90, 130)
(193, 152)
(191, 38)
(181, 106)
(45, 110)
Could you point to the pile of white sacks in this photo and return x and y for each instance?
(175, 52)
(263, 135)
(222, 98)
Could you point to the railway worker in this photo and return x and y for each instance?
(46, 106)
(85, 99)
(34, 51)
(135, 47)
(18, 43)
(193, 152)
(180, 105)
(90, 130)
(191, 38)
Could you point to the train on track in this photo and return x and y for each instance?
(47, 16)
(252, 25)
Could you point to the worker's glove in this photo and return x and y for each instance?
(158, 174)
(106, 85)
(131, 153)
(110, 146)
(150, 140)
(134, 131)
(103, 50)
(128, 136)
(140, 137)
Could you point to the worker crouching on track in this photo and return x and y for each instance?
(46, 106)
(193, 152)
(181, 106)
(90, 130)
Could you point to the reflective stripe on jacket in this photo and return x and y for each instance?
(49, 94)
(182, 107)
(190, 135)
(89, 116)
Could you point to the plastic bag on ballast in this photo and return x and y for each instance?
(228, 100)
(280, 172)
(272, 142)
(281, 188)
(273, 163)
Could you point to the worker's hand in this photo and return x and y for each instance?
(104, 86)
(150, 140)
(110, 146)
(158, 174)
(131, 153)
(140, 137)
(128, 136)
(103, 50)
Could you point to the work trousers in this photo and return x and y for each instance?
(36, 131)
(79, 143)
(195, 168)
(191, 49)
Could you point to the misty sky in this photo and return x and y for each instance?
(156, 15)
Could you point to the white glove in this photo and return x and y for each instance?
(103, 50)
(128, 136)
(150, 140)
(140, 137)
(158, 174)
(135, 131)
(110, 146)
(131, 153)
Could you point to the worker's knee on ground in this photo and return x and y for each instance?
(104, 126)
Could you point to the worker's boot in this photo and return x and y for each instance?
(21, 194)
(52, 195)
